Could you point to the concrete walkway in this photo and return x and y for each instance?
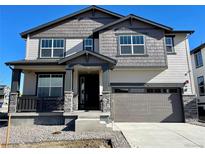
(163, 135)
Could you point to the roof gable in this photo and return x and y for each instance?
(65, 60)
(134, 17)
(87, 54)
(51, 23)
(118, 19)
(195, 50)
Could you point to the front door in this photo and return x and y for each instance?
(89, 92)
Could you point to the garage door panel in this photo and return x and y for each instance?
(146, 107)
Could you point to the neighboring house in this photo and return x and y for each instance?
(4, 98)
(198, 64)
(125, 67)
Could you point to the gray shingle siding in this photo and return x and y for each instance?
(154, 45)
(83, 25)
(78, 27)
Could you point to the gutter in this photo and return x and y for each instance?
(189, 69)
(10, 67)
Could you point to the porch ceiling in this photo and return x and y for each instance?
(89, 69)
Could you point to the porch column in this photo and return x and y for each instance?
(106, 95)
(68, 90)
(15, 86)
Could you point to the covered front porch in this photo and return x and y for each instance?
(79, 82)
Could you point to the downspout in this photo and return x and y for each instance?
(12, 72)
(10, 89)
(189, 69)
(190, 78)
(10, 67)
(27, 45)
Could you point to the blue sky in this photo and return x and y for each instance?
(16, 19)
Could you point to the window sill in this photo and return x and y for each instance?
(143, 55)
(50, 57)
(171, 53)
(199, 66)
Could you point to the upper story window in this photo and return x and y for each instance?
(50, 85)
(88, 44)
(201, 86)
(198, 59)
(131, 44)
(52, 48)
(169, 44)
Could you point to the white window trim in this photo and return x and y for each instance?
(199, 86)
(84, 45)
(169, 45)
(52, 48)
(132, 45)
(50, 76)
(196, 59)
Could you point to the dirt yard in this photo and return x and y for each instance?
(88, 143)
(27, 135)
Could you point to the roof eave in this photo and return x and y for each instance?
(25, 33)
(152, 22)
(197, 48)
(64, 60)
(137, 18)
(183, 31)
(32, 63)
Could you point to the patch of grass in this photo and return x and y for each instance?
(86, 143)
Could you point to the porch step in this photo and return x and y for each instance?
(88, 116)
(91, 121)
(89, 124)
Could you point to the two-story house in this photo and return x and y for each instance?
(4, 98)
(95, 61)
(198, 61)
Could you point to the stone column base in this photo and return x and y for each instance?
(190, 108)
(13, 100)
(75, 102)
(106, 101)
(68, 101)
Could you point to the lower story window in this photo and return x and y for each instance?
(50, 85)
(201, 85)
(121, 90)
(201, 112)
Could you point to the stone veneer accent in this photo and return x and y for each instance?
(68, 101)
(106, 100)
(13, 102)
(190, 108)
(75, 102)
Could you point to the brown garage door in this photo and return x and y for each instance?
(147, 107)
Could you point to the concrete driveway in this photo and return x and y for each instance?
(163, 135)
